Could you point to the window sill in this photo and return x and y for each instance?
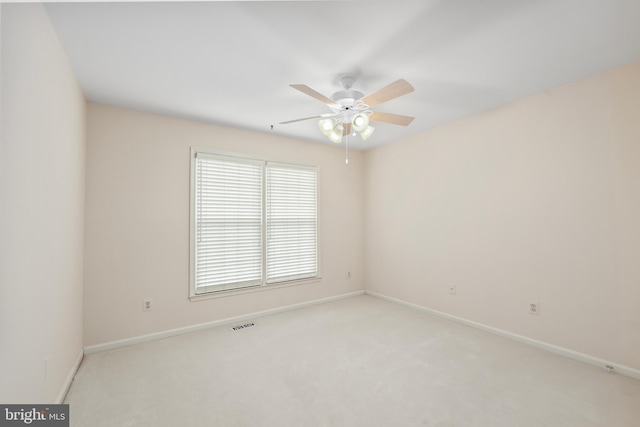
(252, 289)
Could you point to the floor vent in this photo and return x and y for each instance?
(246, 325)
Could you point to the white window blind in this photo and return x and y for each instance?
(253, 223)
(228, 223)
(291, 232)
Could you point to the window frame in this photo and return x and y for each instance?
(193, 294)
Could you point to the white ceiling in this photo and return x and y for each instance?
(231, 63)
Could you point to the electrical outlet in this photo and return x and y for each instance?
(452, 290)
(146, 305)
(534, 308)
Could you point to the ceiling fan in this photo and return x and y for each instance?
(350, 109)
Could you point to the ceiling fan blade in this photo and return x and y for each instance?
(394, 119)
(317, 95)
(299, 120)
(387, 93)
(346, 129)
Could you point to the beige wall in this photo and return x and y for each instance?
(137, 213)
(41, 210)
(538, 201)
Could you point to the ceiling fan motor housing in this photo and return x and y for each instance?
(347, 98)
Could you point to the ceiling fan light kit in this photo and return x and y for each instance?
(351, 109)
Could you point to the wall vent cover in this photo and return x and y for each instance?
(245, 325)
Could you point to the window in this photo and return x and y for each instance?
(253, 223)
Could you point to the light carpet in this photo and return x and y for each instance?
(360, 361)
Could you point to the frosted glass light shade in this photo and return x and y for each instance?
(367, 132)
(360, 122)
(326, 126)
(336, 134)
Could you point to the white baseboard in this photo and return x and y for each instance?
(193, 328)
(67, 383)
(581, 357)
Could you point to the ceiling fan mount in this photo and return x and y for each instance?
(347, 96)
(351, 109)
